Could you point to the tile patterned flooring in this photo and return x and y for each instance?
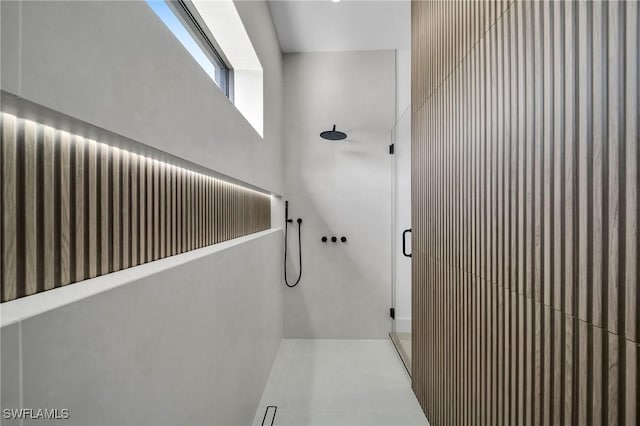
(340, 383)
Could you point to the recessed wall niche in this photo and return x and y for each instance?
(74, 208)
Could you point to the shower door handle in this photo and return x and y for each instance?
(404, 242)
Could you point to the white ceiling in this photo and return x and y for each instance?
(320, 26)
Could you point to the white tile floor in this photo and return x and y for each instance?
(340, 383)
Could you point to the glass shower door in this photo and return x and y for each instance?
(401, 236)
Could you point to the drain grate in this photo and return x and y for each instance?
(269, 415)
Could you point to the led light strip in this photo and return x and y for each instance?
(74, 208)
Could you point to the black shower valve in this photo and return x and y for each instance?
(333, 239)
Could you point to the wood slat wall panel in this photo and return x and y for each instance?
(74, 208)
(525, 212)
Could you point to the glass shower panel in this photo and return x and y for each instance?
(401, 236)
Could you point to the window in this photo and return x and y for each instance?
(184, 24)
(221, 17)
(214, 34)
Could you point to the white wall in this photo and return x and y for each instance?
(403, 81)
(192, 343)
(195, 343)
(117, 66)
(339, 188)
(402, 191)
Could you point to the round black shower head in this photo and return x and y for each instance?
(333, 135)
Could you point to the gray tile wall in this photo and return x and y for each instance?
(339, 188)
(190, 345)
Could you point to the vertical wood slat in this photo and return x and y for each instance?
(216, 213)
(183, 218)
(558, 156)
(149, 208)
(172, 206)
(117, 238)
(9, 207)
(170, 210)
(599, 152)
(162, 190)
(189, 210)
(178, 196)
(154, 216)
(142, 207)
(570, 174)
(175, 206)
(125, 170)
(48, 206)
(79, 208)
(104, 211)
(585, 135)
(616, 143)
(632, 109)
(194, 211)
(30, 265)
(93, 214)
(136, 212)
(199, 210)
(149, 193)
(75, 208)
(206, 210)
(66, 226)
(524, 188)
(202, 210)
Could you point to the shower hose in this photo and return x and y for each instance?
(286, 232)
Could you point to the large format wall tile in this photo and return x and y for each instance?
(192, 344)
(10, 383)
(339, 188)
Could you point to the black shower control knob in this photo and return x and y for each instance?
(343, 239)
(324, 239)
(334, 239)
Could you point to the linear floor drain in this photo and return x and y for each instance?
(269, 415)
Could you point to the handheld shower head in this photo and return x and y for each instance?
(287, 221)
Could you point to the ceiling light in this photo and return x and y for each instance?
(336, 1)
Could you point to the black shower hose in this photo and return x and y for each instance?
(286, 231)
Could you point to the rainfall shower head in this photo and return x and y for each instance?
(333, 135)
